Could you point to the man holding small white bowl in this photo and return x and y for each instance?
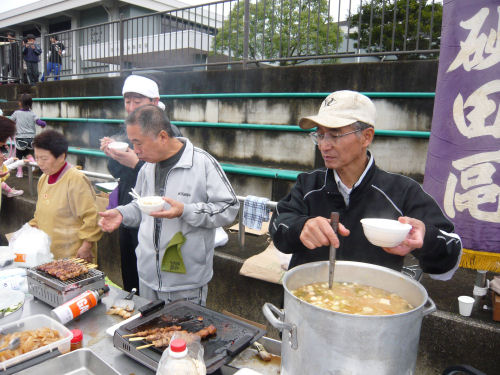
(176, 238)
(352, 185)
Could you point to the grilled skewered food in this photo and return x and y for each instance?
(153, 331)
(64, 269)
(160, 338)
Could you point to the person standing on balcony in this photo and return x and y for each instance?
(54, 63)
(31, 53)
(176, 243)
(352, 185)
(137, 91)
(14, 57)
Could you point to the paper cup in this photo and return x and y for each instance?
(465, 304)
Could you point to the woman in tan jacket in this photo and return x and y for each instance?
(66, 207)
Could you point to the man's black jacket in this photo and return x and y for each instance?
(379, 195)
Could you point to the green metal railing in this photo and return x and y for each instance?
(228, 125)
(251, 95)
(227, 167)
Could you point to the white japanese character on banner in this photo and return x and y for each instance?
(481, 197)
(483, 107)
(484, 49)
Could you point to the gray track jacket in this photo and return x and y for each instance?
(199, 182)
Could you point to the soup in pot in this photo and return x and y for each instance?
(353, 298)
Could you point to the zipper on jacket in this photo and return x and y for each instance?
(158, 268)
(156, 241)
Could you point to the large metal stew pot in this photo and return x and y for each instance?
(317, 341)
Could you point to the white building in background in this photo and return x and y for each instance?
(92, 32)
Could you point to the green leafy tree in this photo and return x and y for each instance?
(279, 29)
(376, 9)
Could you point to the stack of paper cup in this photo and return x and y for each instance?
(465, 304)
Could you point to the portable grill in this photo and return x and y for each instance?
(55, 292)
(232, 336)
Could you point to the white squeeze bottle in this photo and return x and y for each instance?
(176, 360)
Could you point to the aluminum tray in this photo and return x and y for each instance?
(78, 362)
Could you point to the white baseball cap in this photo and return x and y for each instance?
(141, 85)
(342, 108)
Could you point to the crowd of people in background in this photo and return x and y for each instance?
(23, 55)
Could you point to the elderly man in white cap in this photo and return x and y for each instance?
(352, 185)
(137, 91)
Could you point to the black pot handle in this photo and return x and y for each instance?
(462, 369)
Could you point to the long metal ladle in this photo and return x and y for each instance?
(334, 221)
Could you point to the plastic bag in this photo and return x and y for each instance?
(31, 247)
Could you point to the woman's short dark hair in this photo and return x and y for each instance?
(52, 141)
(26, 101)
(7, 129)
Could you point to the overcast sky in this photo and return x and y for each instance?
(6, 5)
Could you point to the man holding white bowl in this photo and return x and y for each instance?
(125, 165)
(352, 185)
(176, 242)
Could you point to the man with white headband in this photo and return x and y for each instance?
(352, 185)
(137, 91)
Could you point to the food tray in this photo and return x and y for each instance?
(77, 362)
(35, 322)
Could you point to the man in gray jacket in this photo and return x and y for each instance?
(176, 244)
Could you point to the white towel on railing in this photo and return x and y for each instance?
(255, 212)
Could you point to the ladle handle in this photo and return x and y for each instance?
(334, 221)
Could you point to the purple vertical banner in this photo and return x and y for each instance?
(463, 161)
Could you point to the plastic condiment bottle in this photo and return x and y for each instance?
(78, 305)
(177, 361)
(77, 340)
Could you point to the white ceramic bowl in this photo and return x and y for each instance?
(150, 204)
(385, 232)
(11, 302)
(118, 146)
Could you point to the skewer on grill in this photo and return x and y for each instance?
(144, 346)
(154, 330)
(162, 339)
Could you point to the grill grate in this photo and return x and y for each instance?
(55, 292)
(55, 283)
(233, 335)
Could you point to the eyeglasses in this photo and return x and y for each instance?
(328, 137)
